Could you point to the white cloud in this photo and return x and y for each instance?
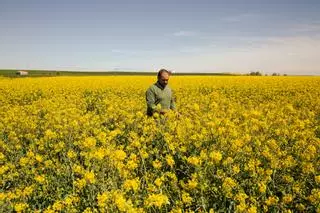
(239, 17)
(306, 28)
(291, 55)
(129, 52)
(191, 50)
(123, 52)
(184, 33)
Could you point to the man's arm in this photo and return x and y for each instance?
(151, 100)
(172, 102)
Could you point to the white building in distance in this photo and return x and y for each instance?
(20, 72)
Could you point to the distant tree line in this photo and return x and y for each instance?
(259, 73)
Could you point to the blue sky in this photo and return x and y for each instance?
(146, 35)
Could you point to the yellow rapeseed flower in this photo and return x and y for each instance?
(186, 199)
(40, 178)
(132, 184)
(89, 142)
(170, 160)
(102, 199)
(216, 156)
(193, 160)
(157, 164)
(20, 207)
(120, 155)
(157, 200)
(272, 200)
(89, 176)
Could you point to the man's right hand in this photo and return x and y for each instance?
(162, 112)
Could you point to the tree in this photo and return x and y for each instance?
(257, 73)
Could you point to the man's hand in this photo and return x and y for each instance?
(163, 111)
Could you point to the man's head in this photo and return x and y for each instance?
(163, 77)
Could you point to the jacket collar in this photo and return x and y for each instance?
(159, 85)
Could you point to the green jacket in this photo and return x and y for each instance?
(156, 94)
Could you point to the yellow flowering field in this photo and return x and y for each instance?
(235, 144)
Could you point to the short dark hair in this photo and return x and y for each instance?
(162, 71)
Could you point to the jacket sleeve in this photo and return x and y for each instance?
(172, 101)
(151, 100)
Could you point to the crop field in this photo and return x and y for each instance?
(234, 144)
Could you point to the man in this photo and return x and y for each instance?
(160, 93)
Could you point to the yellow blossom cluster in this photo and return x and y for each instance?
(85, 144)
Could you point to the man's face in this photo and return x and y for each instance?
(163, 79)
